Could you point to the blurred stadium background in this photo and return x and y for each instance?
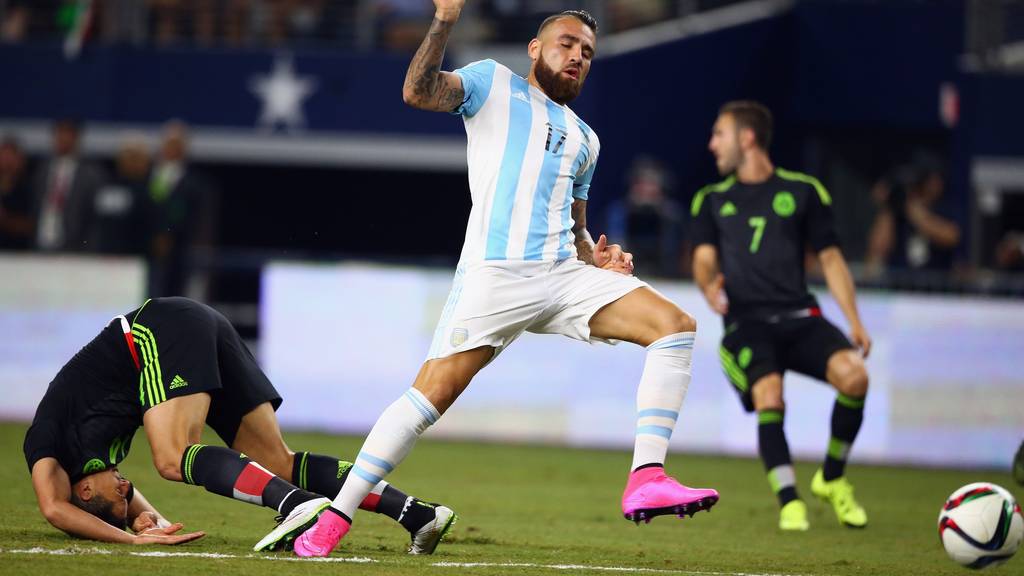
(256, 155)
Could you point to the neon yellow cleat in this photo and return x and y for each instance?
(839, 493)
(793, 516)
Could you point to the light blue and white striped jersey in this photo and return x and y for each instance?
(528, 159)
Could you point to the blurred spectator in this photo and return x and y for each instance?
(184, 205)
(402, 22)
(295, 20)
(15, 198)
(1010, 251)
(14, 21)
(647, 221)
(626, 14)
(63, 192)
(122, 209)
(909, 231)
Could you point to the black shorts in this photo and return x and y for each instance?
(185, 347)
(753, 349)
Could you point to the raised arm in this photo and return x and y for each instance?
(840, 283)
(426, 86)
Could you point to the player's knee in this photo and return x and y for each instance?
(676, 322)
(850, 377)
(168, 467)
(854, 382)
(767, 394)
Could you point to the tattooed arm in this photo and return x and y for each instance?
(584, 242)
(600, 253)
(426, 86)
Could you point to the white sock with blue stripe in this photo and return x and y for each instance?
(660, 395)
(388, 443)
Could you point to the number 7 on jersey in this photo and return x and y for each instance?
(757, 223)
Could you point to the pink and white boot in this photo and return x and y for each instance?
(323, 537)
(651, 493)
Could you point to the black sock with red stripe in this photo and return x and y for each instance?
(232, 474)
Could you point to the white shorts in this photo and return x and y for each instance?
(492, 303)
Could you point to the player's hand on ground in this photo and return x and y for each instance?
(168, 535)
(714, 293)
(446, 9)
(147, 520)
(861, 340)
(612, 257)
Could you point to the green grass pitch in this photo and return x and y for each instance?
(523, 510)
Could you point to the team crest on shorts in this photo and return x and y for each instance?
(459, 337)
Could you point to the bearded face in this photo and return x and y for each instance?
(562, 86)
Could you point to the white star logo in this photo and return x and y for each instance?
(282, 93)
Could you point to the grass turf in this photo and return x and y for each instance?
(523, 505)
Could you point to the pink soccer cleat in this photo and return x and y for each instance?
(323, 537)
(651, 493)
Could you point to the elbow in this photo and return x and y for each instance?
(53, 515)
(411, 98)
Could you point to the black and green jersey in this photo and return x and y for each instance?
(762, 232)
(88, 416)
(91, 410)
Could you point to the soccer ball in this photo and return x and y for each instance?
(981, 525)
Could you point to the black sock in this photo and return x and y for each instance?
(325, 475)
(774, 450)
(847, 415)
(320, 474)
(649, 465)
(228, 473)
(412, 513)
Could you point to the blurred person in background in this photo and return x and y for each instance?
(122, 211)
(15, 17)
(910, 231)
(649, 219)
(15, 197)
(401, 22)
(529, 264)
(64, 190)
(750, 233)
(626, 14)
(1010, 251)
(183, 203)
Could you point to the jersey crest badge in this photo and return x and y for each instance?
(459, 337)
(784, 204)
(728, 209)
(94, 465)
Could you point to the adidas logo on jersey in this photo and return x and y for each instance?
(178, 382)
(520, 95)
(728, 209)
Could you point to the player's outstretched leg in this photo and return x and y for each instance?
(649, 491)
(391, 440)
(426, 522)
(388, 443)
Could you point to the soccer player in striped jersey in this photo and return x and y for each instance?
(750, 234)
(171, 366)
(529, 264)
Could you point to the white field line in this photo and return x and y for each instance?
(361, 560)
(588, 568)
